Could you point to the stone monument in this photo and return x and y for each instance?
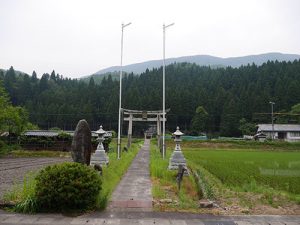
(177, 157)
(100, 157)
(82, 144)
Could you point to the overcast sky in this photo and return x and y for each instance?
(80, 37)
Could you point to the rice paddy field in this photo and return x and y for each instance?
(239, 169)
(278, 170)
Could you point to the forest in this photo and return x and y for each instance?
(219, 100)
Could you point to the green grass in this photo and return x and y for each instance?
(23, 195)
(164, 185)
(6, 149)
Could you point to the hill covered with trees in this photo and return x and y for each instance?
(227, 96)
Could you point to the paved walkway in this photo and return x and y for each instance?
(134, 190)
(143, 218)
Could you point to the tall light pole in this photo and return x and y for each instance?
(164, 96)
(120, 98)
(272, 116)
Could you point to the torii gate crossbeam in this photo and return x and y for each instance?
(143, 116)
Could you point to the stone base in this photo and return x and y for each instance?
(206, 204)
(100, 158)
(177, 159)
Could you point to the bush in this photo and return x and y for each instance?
(67, 187)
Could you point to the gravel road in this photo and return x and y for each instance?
(12, 170)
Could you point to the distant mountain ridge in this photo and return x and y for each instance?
(203, 60)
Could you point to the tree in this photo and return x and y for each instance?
(10, 83)
(247, 128)
(12, 119)
(199, 121)
(229, 126)
(53, 76)
(296, 110)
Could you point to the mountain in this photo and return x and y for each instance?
(203, 60)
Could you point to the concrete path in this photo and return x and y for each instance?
(144, 218)
(134, 190)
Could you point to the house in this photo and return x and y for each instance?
(286, 132)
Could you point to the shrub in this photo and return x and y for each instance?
(67, 187)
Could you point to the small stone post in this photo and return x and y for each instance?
(177, 157)
(100, 157)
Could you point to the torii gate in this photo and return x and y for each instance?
(143, 116)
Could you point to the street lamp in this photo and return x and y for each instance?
(164, 97)
(120, 99)
(272, 116)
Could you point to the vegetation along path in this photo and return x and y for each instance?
(134, 190)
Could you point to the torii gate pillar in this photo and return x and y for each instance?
(158, 131)
(129, 131)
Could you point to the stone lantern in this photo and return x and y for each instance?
(100, 157)
(177, 157)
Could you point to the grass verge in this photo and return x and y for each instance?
(167, 196)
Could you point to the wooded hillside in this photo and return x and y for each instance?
(227, 95)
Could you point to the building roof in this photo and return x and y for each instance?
(279, 127)
(52, 133)
(43, 133)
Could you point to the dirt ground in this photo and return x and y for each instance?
(12, 170)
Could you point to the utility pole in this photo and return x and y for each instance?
(164, 95)
(120, 97)
(272, 117)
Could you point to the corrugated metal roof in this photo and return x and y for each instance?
(51, 133)
(43, 133)
(279, 127)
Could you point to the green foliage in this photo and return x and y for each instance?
(55, 129)
(67, 186)
(247, 128)
(206, 187)
(24, 195)
(296, 110)
(200, 119)
(37, 140)
(12, 119)
(28, 206)
(64, 136)
(7, 149)
(3, 149)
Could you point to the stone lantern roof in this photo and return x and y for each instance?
(178, 132)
